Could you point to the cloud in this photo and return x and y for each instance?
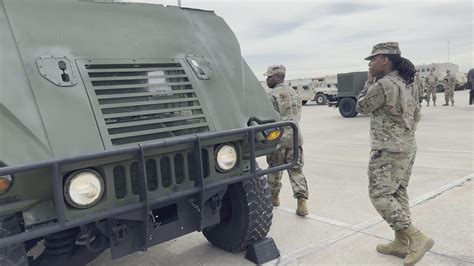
(343, 8)
(314, 38)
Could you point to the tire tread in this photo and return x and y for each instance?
(257, 222)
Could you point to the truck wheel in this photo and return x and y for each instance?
(440, 88)
(347, 107)
(246, 215)
(14, 254)
(304, 102)
(321, 99)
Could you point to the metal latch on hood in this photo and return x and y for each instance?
(200, 66)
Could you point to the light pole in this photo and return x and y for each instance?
(448, 51)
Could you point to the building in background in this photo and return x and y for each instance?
(440, 70)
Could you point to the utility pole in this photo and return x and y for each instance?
(448, 51)
(179, 4)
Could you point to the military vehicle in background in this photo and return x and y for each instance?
(349, 86)
(124, 126)
(321, 90)
(470, 85)
(303, 88)
(325, 89)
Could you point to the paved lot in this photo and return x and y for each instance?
(343, 227)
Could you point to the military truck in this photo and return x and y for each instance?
(124, 126)
(325, 89)
(461, 82)
(349, 86)
(304, 90)
(320, 90)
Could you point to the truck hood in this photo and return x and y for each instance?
(124, 64)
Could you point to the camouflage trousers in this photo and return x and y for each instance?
(297, 179)
(431, 91)
(449, 94)
(389, 174)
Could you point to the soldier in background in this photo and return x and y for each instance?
(431, 81)
(391, 100)
(450, 83)
(420, 86)
(286, 102)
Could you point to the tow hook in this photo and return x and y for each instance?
(215, 203)
(118, 231)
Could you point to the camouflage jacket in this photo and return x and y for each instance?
(394, 112)
(287, 102)
(450, 80)
(431, 80)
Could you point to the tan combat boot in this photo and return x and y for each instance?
(418, 245)
(398, 247)
(302, 210)
(275, 200)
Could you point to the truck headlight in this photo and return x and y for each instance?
(226, 157)
(84, 188)
(5, 183)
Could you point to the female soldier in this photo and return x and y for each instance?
(391, 98)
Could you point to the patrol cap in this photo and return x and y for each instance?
(384, 48)
(275, 69)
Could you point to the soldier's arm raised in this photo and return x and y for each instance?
(370, 98)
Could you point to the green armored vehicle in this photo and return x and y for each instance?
(349, 85)
(126, 125)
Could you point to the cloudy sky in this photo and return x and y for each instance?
(314, 38)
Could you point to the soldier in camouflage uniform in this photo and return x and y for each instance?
(420, 86)
(286, 102)
(431, 81)
(450, 83)
(391, 99)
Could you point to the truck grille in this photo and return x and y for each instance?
(161, 173)
(141, 102)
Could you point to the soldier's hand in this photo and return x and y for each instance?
(370, 78)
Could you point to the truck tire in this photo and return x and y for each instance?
(321, 99)
(303, 102)
(15, 254)
(347, 107)
(246, 215)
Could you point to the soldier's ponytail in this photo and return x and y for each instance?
(405, 68)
